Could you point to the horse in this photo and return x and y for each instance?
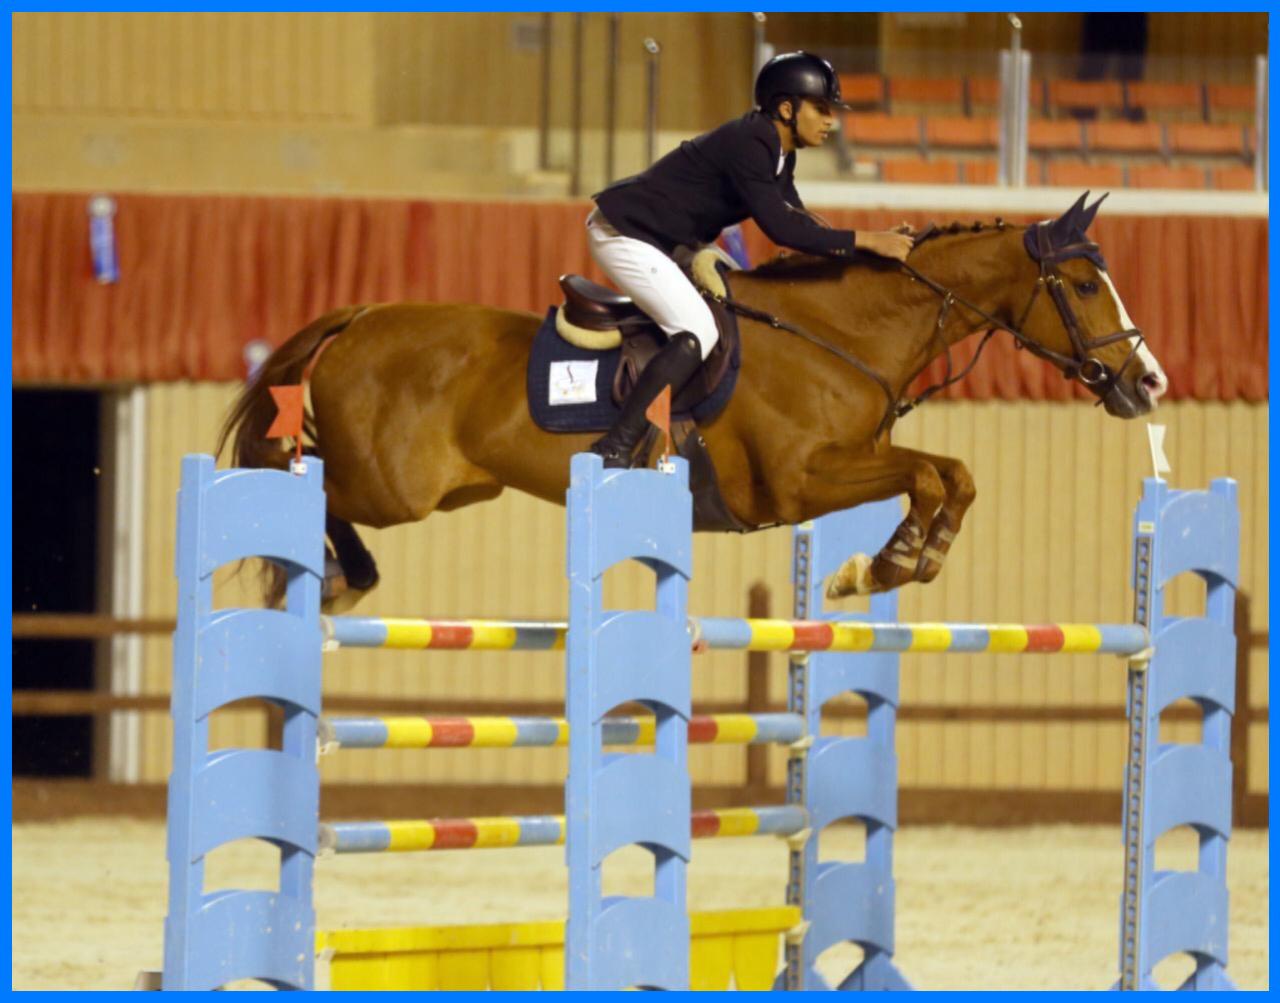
(417, 408)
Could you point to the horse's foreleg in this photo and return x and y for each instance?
(960, 492)
(873, 478)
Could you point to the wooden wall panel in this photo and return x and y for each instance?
(1207, 34)
(1183, 45)
(485, 68)
(1048, 539)
(919, 46)
(263, 66)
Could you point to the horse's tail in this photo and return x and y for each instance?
(254, 410)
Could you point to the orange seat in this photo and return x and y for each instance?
(1125, 137)
(1063, 136)
(927, 90)
(985, 92)
(1151, 96)
(1234, 179)
(981, 172)
(1231, 97)
(1207, 140)
(882, 130)
(1072, 174)
(1104, 95)
(1162, 176)
(957, 132)
(987, 172)
(862, 90)
(920, 172)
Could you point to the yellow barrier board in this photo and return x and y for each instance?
(737, 948)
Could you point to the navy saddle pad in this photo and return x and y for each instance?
(570, 389)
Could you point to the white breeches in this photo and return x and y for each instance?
(653, 281)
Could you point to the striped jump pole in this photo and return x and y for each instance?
(535, 732)
(735, 634)
(741, 634)
(419, 835)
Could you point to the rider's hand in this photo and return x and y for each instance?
(886, 243)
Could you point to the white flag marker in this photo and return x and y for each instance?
(1155, 438)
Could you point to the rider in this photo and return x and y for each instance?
(744, 168)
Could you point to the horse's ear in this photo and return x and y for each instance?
(1063, 229)
(1086, 219)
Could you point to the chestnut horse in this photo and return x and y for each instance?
(418, 408)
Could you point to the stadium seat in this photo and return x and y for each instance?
(987, 172)
(984, 93)
(1076, 175)
(862, 90)
(882, 130)
(1231, 97)
(1204, 139)
(1066, 96)
(1064, 136)
(980, 172)
(1163, 176)
(1234, 179)
(932, 94)
(1172, 101)
(1125, 137)
(920, 172)
(962, 133)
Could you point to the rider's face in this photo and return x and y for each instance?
(814, 121)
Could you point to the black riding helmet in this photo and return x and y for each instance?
(796, 75)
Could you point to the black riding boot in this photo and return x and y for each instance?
(673, 365)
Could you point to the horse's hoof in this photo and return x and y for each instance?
(853, 578)
(890, 574)
(337, 593)
(929, 567)
(927, 572)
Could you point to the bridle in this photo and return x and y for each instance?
(1080, 365)
(1093, 373)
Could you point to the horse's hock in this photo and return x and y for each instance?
(615, 657)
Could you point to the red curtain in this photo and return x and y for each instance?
(201, 276)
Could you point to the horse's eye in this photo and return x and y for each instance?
(1087, 288)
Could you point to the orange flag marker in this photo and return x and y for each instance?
(288, 423)
(659, 412)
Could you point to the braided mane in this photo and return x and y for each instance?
(798, 267)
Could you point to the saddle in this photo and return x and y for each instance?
(599, 319)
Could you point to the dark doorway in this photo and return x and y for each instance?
(57, 471)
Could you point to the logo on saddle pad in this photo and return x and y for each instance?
(572, 382)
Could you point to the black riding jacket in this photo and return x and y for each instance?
(718, 179)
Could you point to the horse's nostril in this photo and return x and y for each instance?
(1153, 383)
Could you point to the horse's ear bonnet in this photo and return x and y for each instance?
(1067, 234)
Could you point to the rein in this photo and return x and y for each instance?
(751, 313)
(1096, 375)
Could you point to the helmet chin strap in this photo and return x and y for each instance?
(790, 123)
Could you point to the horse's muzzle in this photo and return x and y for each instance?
(1129, 399)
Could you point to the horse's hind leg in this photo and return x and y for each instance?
(357, 573)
